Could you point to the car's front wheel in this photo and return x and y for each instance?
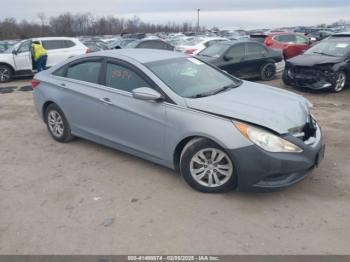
(5, 74)
(340, 82)
(206, 167)
(57, 124)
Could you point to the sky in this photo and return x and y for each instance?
(221, 13)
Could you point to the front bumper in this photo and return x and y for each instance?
(314, 81)
(262, 171)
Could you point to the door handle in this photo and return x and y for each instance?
(106, 100)
(63, 85)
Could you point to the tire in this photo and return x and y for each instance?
(340, 82)
(286, 79)
(268, 71)
(54, 117)
(199, 173)
(6, 74)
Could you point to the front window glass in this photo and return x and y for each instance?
(330, 48)
(189, 77)
(25, 47)
(122, 78)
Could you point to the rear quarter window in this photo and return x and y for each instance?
(54, 44)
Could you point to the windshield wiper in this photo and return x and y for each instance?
(214, 92)
(321, 53)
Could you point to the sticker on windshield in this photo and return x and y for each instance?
(342, 45)
(195, 61)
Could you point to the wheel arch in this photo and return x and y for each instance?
(182, 144)
(45, 106)
(8, 65)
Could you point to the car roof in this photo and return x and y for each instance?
(142, 55)
(53, 38)
(339, 38)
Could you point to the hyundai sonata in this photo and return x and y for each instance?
(172, 109)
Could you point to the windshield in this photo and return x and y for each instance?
(189, 77)
(330, 48)
(215, 50)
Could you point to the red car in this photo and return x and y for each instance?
(292, 44)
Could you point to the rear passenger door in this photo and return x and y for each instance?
(255, 58)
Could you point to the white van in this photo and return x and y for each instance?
(17, 61)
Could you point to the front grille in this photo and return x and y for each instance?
(308, 71)
(307, 131)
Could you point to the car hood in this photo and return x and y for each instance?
(315, 59)
(258, 104)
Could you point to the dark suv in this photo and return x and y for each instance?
(324, 66)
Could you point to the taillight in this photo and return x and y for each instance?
(190, 51)
(88, 50)
(35, 83)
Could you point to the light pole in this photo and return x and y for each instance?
(198, 10)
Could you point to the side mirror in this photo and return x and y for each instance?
(14, 52)
(228, 58)
(146, 93)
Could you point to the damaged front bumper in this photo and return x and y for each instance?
(312, 79)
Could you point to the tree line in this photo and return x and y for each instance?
(68, 24)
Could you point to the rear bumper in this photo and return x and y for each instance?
(262, 171)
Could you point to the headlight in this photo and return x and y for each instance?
(267, 140)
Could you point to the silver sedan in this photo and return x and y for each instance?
(175, 110)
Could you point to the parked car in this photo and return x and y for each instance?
(290, 43)
(17, 60)
(150, 44)
(174, 110)
(324, 66)
(243, 59)
(197, 44)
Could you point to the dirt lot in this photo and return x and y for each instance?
(83, 198)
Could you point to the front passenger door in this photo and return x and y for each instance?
(23, 58)
(135, 124)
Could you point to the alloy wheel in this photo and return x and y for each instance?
(55, 123)
(4, 74)
(211, 167)
(340, 82)
(269, 72)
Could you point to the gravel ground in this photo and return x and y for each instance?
(83, 198)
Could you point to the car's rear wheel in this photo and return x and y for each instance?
(268, 71)
(57, 124)
(340, 82)
(5, 74)
(206, 167)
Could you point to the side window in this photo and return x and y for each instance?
(122, 78)
(236, 53)
(285, 38)
(54, 44)
(301, 40)
(61, 71)
(85, 71)
(255, 51)
(25, 47)
(69, 43)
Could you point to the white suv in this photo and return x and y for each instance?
(17, 61)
